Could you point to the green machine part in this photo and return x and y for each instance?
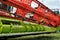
(38, 27)
(58, 28)
(6, 28)
(0, 29)
(42, 27)
(23, 27)
(1, 26)
(34, 29)
(18, 28)
(28, 28)
(49, 29)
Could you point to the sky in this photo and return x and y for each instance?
(51, 3)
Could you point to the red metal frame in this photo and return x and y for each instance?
(24, 7)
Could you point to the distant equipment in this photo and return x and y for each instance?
(56, 10)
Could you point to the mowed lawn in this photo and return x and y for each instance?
(52, 36)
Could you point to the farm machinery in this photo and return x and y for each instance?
(20, 20)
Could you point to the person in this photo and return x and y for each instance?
(29, 16)
(13, 10)
(0, 5)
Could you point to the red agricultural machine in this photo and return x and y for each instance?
(39, 14)
(23, 10)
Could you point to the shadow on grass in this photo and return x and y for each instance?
(41, 38)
